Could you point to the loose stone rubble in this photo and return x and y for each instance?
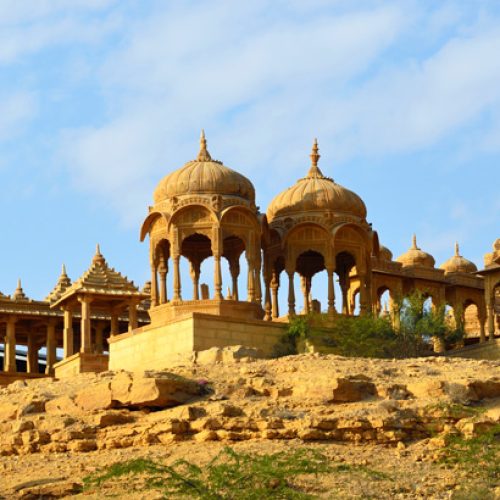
(305, 397)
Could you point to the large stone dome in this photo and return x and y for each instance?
(204, 176)
(458, 264)
(316, 193)
(416, 257)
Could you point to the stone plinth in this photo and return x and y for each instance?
(157, 347)
(232, 308)
(81, 363)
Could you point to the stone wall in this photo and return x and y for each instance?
(486, 350)
(159, 347)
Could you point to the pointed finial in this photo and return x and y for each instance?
(203, 155)
(63, 270)
(457, 249)
(314, 171)
(98, 258)
(414, 242)
(19, 293)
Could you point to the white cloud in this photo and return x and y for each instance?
(16, 110)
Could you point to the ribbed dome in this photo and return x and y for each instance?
(204, 176)
(385, 253)
(458, 264)
(416, 257)
(315, 192)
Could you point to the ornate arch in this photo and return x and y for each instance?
(150, 220)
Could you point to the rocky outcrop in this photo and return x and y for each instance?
(307, 397)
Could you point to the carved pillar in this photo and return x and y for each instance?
(51, 348)
(177, 278)
(163, 284)
(234, 269)
(132, 315)
(68, 336)
(275, 284)
(305, 293)
(491, 317)
(99, 337)
(32, 361)
(257, 283)
(251, 284)
(364, 306)
(217, 278)
(194, 272)
(114, 324)
(267, 296)
(85, 328)
(10, 346)
(331, 293)
(291, 294)
(154, 285)
(482, 322)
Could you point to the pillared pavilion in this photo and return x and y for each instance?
(316, 230)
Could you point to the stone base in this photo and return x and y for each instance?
(485, 350)
(178, 309)
(7, 378)
(81, 363)
(158, 346)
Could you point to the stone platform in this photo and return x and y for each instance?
(81, 363)
(7, 378)
(158, 347)
(220, 307)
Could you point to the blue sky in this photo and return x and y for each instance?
(99, 99)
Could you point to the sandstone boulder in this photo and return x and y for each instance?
(228, 354)
(485, 389)
(154, 390)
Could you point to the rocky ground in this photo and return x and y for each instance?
(385, 426)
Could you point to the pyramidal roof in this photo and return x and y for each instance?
(100, 279)
(63, 283)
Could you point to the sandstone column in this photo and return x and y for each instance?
(68, 337)
(132, 315)
(99, 337)
(291, 294)
(364, 306)
(163, 284)
(274, 290)
(177, 278)
(267, 300)
(194, 271)
(32, 361)
(331, 293)
(51, 348)
(154, 285)
(85, 328)
(251, 285)
(234, 269)
(115, 326)
(10, 346)
(217, 278)
(491, 318)
(257, 283)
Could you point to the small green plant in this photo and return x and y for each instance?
(480, 457)
(230, 475)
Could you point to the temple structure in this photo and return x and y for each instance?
(316, 230)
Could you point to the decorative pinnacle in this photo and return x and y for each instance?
(203, 155)
(98, 258)
(63, 270)
(314, 171)
(414, 242)
(457, 249)
(19, 293)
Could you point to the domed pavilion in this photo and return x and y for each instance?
(204, 209)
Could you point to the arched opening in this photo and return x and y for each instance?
(383, 301)
(345, 262)
(197, 248)
(308, 264)
(471, 320)
(236, 272)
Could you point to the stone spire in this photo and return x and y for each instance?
(98, 257)
(63, 283)
(457, 249)
(19, 293)
(414, 242)
(314, 171)
(203, 155)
